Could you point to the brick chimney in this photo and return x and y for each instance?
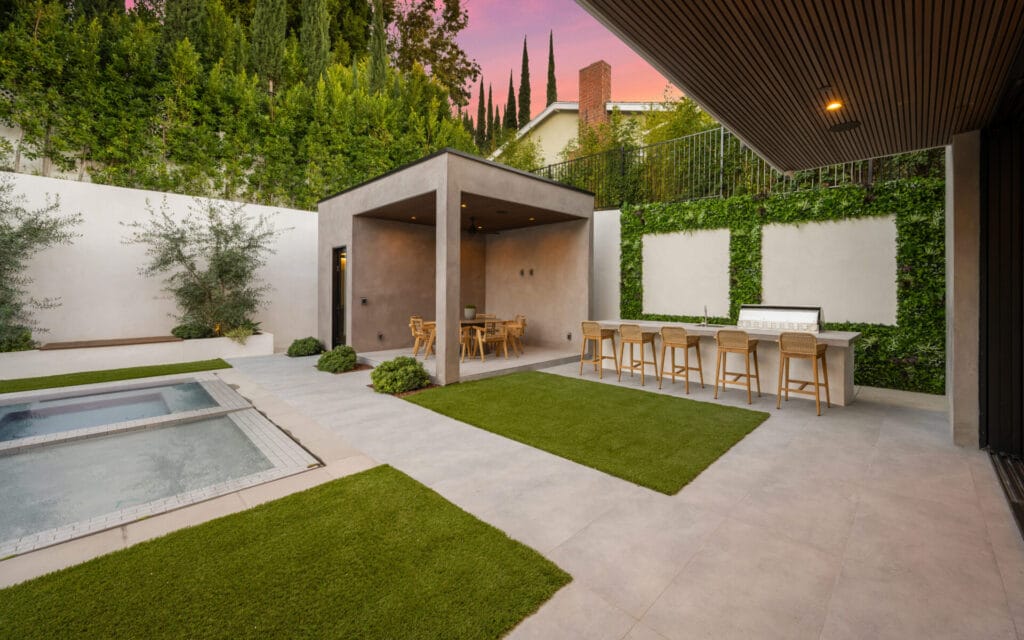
(595, 92)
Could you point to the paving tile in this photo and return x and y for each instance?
(574, 613)
(747, 583)
(631, 553)
(189, 516)
(640, 631)
(285, 486)
(36, 563)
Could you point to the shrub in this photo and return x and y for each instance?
(341, 358)
(17, 341)
(210, 260)
(399, 375)
(192, 331)
(239, 334)
(305, 347)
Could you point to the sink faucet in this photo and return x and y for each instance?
(705, 323)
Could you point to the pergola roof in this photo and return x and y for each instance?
(911, 72)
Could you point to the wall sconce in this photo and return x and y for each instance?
(522, 272)
(531, 273)
(362, 301)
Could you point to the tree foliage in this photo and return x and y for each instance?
(510, 121)
(552, 86)
(113, 98)
(210, 260)
(425, 33)
(523, 115)
(23, 233)
(677, 118)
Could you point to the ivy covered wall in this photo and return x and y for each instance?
(911, 355)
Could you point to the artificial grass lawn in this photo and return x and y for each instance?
(109, 375)
(374, 555)
(657, 441)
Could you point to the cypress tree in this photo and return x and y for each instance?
(510, 123)
(552, 89)
(268, 38)
(490, 114)
(315, 38)
(524, 88)
(481, 119)
(378, 49)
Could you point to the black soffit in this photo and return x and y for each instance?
(913, 73)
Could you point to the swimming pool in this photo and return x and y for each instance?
(64, 473)
(44, 417)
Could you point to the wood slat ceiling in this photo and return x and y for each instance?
(912, 72)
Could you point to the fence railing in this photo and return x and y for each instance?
(715, 163)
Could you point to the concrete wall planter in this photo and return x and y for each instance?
(29, 364)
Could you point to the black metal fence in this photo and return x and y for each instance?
(715, 163)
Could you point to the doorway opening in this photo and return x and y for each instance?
(340, 259)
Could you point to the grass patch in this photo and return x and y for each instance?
(109, 375)
(654, 440)
(374, 555)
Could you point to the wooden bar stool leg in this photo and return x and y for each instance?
(787, 380)
(700, 366)
(757, 374)
(622, 352)
(599, 361)
(616, 360)
(718, 367)
(824, 369)
(663, 347)
(778, 394)
(686, 364)
(583, 353)
(817, 393)
(747, 360)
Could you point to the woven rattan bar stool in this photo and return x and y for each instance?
(673, 338)
(633, 335)
(805, 347)
(733, 341)
(594, 335)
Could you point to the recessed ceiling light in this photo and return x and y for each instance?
(480, 228)
(532, 219)
(463, 205)
(412, 217)
(835, 105)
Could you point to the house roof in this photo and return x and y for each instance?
(911, 73)
(564, 105)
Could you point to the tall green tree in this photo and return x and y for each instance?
(524, 88)
(269, 23)
(350, 29)
(315, 38)
(481, 119)
(378, 48)
(426, 34)
(510, 123)
(491, 124)
(552, 87)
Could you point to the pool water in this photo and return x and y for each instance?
(65, 414)
(56, 485)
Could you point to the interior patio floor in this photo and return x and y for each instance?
(534, 357)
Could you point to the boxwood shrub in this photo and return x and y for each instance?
(339, 359)
(192, 331)
(305, 347)
(399, 375)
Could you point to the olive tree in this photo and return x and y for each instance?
(23, 233)
(210, 259)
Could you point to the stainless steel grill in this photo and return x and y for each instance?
(753, 316)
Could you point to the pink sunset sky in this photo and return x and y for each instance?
(494, 38)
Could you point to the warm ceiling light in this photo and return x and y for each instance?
(532, 219)
(480, 228)
(835, 105)
(463, 205)
(412, 217)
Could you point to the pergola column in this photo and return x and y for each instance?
(448, 279)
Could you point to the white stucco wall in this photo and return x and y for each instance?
(103, 296)
(683, 272)
(607, 268)
(847, 267)
(553, 134)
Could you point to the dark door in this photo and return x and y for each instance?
(338, 297)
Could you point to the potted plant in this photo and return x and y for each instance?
(469, 312)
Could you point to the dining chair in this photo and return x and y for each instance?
(516, 331)
(493, 332)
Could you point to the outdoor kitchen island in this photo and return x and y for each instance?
(839, 355)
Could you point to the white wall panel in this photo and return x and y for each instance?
(847, 267)
(607, 268)
(685, 271)
(103, 295)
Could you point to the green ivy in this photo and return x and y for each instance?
(909, 356)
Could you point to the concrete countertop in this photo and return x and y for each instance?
(839, 339)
